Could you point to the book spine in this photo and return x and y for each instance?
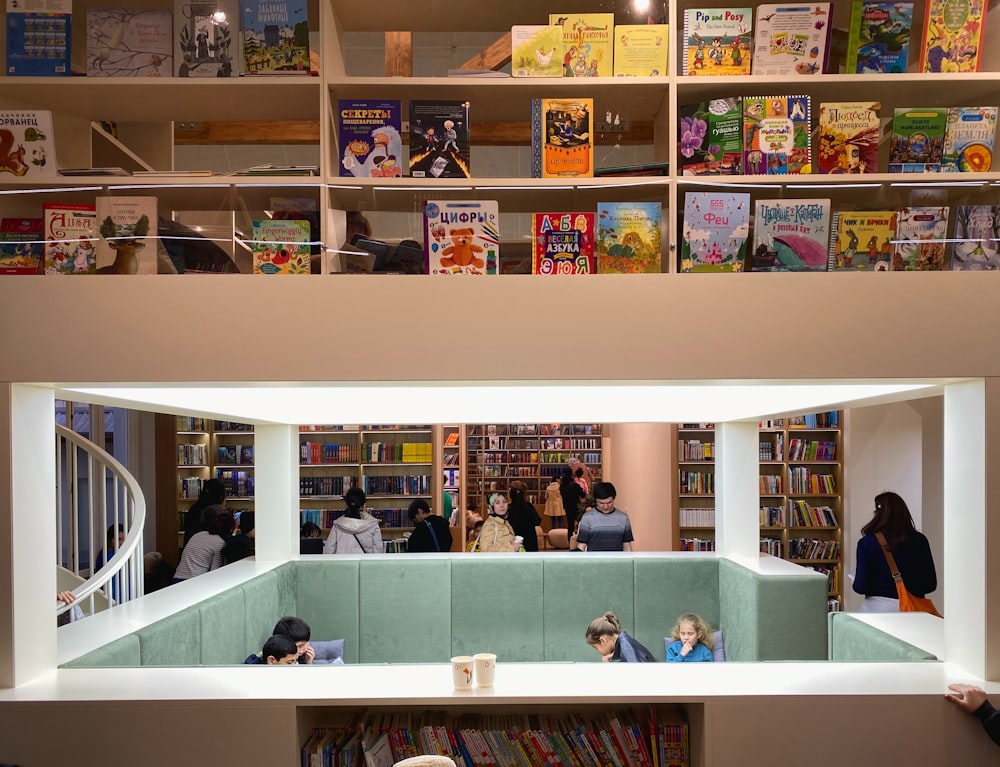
(854, 37)
(537, 137)
(684, 42)
(831, 263)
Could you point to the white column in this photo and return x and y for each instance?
(737, 490)
(276, 491)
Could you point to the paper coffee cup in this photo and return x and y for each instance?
(518, 540)
(486, 668)
(461, 671)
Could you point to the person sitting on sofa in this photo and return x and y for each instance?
(318, 653)
(605, 634)
(278, 650)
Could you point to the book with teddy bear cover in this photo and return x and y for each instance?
(461, 236)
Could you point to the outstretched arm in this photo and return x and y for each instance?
(974, 700)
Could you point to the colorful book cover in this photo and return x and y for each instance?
(536, 50)
(921, 233)
(70, 238)
(128, 235)
(39, 41)
(21, 245)
(861, 240)
(792, 39)
(280, 246)
(717, 41)
(27, 145)
(461, 236)
(129, 42)
(439, 139)
(953, 35)
(275, 37)
(849, 133)
(791, 235)
(715, 232)
(968, 140)
(878, 39)
(776, 138)
(562, 243)
(588, 50)
(641, 50)
(628, 237)
(206, 38)
(917, 144)
(371, 142)
(562, 139)
(711, 138)
(976, 244)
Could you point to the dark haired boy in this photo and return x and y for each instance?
(299, 632)
(279, 650)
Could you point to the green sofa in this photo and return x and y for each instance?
(854, 641)
(413, 609)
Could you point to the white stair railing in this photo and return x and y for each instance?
(94, 492)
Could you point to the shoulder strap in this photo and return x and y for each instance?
(888, 556)
(363, 551)
(437, 546)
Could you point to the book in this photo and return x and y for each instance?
(791, 39)
(920, 239)
(861, 240)
(562, 139)
(129, 42)
(588, 48)
(280, 246)
(536, 50)
(111, 170)
(275, 37)
(70, 234)
(39, 41)
(715, 230)
(717, 41)
(628, 237)
(952, 38)
(461, 236)
(562, 243)
(641, 50)
(776, 138)
(976, 243)
(711, 137)
(270, 169)
(27, 144)
(968, 140)
(917, 143)
(371, 142)
(21, 245)
(206, 38)
(439, 139)
(128, 235)
(849, 133)
(639, 169)
(791, 235)
(878, 38)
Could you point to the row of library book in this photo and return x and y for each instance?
(189, 454)
(391, 518)
(797, 513)
(770, 450)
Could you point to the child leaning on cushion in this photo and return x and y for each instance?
(692, 640)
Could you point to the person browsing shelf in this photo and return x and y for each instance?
(523, 516)
(692, 640)
(613, 644)
(357, 532)
(497, 533)
(553, 505)
(973, 700)
(213, 493)
(430, 531)
(241, 545)
(572, 495)
(605, 528)
(204, 551)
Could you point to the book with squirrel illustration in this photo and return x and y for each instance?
(717, 41)
(27, 144)
(562, 243)
(129, 42)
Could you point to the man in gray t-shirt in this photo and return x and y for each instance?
(605, 528)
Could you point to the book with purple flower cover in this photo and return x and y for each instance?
(711, 138)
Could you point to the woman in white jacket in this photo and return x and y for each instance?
(357, 532)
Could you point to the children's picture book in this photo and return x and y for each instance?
(715, 231)
(371, 142)
(878, 39)
(849, 133)
(21, 245)
(921, 233)
(129, 42)
(917, 144)
(461, 236)
(976, 244)
(792, 39)
(70, 238)
(536, 50)
(717, 41)
(128, 235)
(953, 35)
(628, 237)
(968, 140)
(206, 38)
(791, 235)
(588, 49)
(275, 37)
(27, 145)
(861, 240)
(711, 138)
(280, 246)
(776, 138)
(562, 139)
(641, 50)
(39, 40)
(562, 243)
(439, 139)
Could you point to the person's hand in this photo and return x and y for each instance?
(308, 654)
(966, 696)
(686, 647)
(607, 658)
(66, 596)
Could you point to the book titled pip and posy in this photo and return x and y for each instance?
(371, 143)
(715, 231)
(717, 41)
(129, 42)
(791, 39)
(461, 236)
(27, 145)
(628, 237)
(776, 138)
(791, 235)
(588, 48)
(562, 243)
(439, 139)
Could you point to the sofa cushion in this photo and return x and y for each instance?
(667, 588)
(327, 597)
(120, 653)
(222, 616)
(853, 641)
(173, 641)
(267, 599)
(329, 652)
